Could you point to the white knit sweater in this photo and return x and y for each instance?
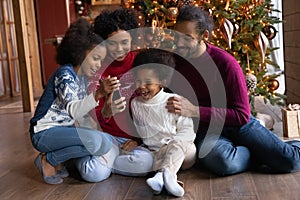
(156, 126)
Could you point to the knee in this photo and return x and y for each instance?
(138, 163)
(94, 169)
(228, 167)
(190, 158)
(100, 144)
(224, 166)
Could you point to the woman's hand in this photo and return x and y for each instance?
(182, 106)
(129, 145)
(112, 107)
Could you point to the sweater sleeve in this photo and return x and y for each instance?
(237, 111)
(72, 98)
(77, 109)
(185, 129)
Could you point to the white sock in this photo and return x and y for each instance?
(156, 182)
(171, 184)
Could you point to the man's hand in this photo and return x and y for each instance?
(182, 106)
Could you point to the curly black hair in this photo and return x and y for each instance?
(160, 61)
(109, 21)
(79, 38)
(193, 13)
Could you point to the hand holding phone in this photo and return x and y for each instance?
(117, 96)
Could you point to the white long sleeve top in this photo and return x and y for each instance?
(156, 126)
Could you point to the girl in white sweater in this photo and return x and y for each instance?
(169, 136)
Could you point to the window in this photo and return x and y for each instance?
(9, 64)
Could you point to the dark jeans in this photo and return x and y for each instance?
(232, 152)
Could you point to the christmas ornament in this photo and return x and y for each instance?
(226, 29)
(269, 31)
(251, 82)
(172, 13)
(273, 84)
(261, 43)
(236, 28)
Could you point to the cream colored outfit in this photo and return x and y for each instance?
(170, 136)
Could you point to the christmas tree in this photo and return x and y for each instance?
(242, 27)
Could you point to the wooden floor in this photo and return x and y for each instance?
(19, 179)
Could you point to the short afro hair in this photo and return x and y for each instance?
(160, 61)
(109, 21)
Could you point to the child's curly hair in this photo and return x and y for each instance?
(78, 39)
(109, 21)
(160, 61)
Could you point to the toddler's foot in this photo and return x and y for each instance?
(171, 184)
(156, 183)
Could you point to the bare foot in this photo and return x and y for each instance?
(59, 167)
(48, 169)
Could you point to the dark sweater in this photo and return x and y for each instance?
(215, 82)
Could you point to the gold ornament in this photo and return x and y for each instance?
(226, 29)
(269, 31)
(273, 84)
(261, 43)
(172, 13)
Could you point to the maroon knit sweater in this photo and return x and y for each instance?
(215, 82)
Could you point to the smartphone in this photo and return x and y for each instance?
(116, 95)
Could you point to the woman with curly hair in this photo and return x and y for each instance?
(126, 157)
(65, 103)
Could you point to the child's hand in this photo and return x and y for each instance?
(107, 86)
(129, 145)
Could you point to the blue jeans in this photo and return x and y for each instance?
(137, 162)
(63, 143)
(237, 146)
